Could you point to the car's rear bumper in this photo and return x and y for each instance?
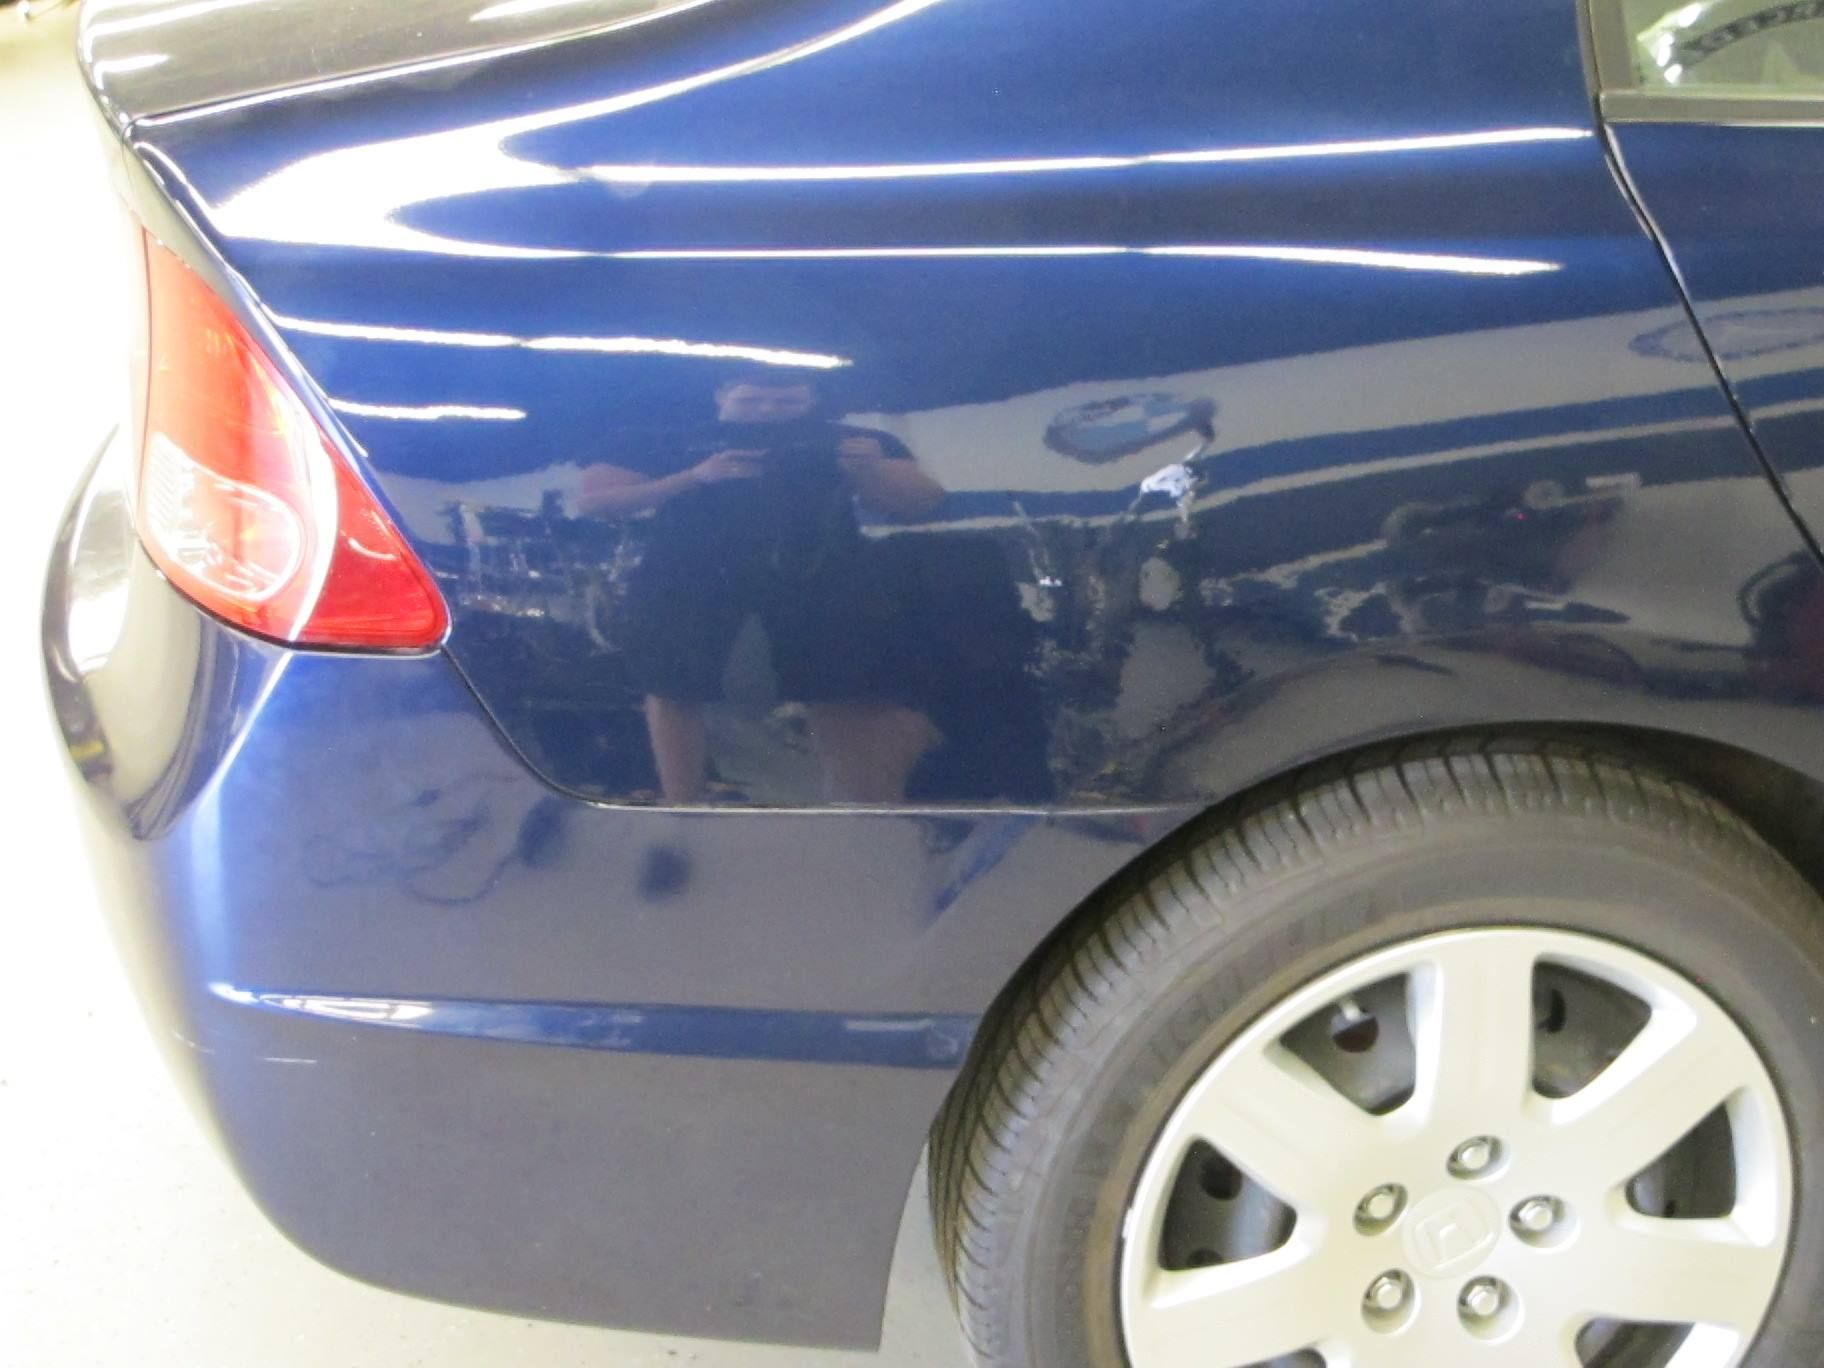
(467, 1037)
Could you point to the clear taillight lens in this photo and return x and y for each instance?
(246, 505)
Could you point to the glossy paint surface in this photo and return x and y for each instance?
(465, 1037)
(158, 56)
(1287, 380)
(1223, 373)
(1741, 209)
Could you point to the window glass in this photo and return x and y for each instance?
(1726, 46)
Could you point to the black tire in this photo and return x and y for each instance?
(1034, 1157)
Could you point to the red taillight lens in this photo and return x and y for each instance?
(246, 505)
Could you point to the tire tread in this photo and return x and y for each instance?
(1031, 1052)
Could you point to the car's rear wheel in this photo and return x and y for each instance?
(1493, 1054)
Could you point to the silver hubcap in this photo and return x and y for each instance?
(1471, 1217)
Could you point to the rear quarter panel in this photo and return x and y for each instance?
(1458, 412)
(1459, 461)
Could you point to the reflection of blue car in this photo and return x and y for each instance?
(1212, 616)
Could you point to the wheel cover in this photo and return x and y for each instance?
(1455, 1275)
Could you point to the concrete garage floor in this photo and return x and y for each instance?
(123, 1237)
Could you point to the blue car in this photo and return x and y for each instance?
(1210, 614)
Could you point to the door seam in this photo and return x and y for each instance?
(1618, 165)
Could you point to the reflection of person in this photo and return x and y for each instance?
(754, 515)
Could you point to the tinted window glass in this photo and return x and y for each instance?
(1726, 46)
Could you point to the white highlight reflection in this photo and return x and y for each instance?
(351, 197)
(1320, 256)
(118, 66)
(614, 346)
(653, 9)
(736, 175)
(354, 197)
(672, 346)
(350, 1009)
(1427, 142)
(347, 1008)
(425, 413)
(1355, 256)
(334, 199)
(858, 253)
(381, 332)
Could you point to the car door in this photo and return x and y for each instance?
(1715, 109)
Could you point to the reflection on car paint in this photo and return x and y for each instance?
(882, 1039)
(1750, 265)
(1290, 385)
(1203, 414)
(1098, 576)
(1209, 400)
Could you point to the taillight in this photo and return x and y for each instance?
(245, 504)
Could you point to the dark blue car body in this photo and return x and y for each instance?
(1298, 377)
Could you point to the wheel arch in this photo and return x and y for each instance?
(1030, 1100)
(1783, 804)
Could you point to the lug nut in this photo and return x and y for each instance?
(1536, 1215)
(1381, 1205)
(1482, 1299)
(1387, 1292)
(1474, 1156)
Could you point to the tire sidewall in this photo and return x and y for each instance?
(1752, 943)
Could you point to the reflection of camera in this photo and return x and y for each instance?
(800, 455)
(798, 465)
